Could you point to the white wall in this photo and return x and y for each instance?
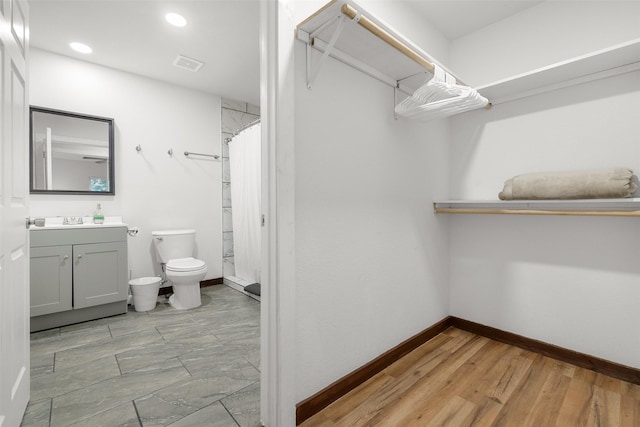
(550, 32)
(569, 281)
(403, 19)
(371, 258)
(153, 190)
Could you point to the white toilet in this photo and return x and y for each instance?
(174, 248)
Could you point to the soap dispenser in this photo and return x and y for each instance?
(98, 217)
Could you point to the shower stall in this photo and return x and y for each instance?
(241, 135)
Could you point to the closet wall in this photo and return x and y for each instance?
(374, 265)
(569, 281)
(551, 32)
(371, 259)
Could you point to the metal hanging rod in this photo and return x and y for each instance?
(189, 153)
(245, 127)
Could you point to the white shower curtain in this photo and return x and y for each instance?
(244, 162)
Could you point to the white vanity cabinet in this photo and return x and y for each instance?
(77, 274)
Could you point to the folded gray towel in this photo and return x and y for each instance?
(590, 184)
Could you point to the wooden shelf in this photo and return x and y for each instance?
(618, 59)
(363, 50)
(584, 207)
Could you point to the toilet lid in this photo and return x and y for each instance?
(185, 264)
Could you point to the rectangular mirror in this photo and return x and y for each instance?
(71, 153)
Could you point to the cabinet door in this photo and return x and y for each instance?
(51, 288)
(99, 274)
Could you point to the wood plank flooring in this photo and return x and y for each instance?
(462, 379)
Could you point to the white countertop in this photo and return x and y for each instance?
(57, 223)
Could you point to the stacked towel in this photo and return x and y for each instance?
(590, 184)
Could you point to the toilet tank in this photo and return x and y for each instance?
(173, 244)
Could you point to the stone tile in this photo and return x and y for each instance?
(233, 120)
(188, 333)
(146, 323)
(214, 415)
(222, 322)
(227, 244)
(221, 340)
(245, 330)
(230, 303)
(104, 348)
(37, 414)
(226, 195)
(63, 381)
(253, 109)
(253, 357)
(227, 220)
(244, 406)
(164, 308)
(45, 334)
(122, 416)
(234, 105)
(226, 170)
(172, 403)
(138, 358)
(221, 360)
(221, 291)
(228, 266)
(90, 401)
(97, 322)
(41, 364)
(170, 315)
(70, 340)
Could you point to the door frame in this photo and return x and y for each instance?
(277, 319)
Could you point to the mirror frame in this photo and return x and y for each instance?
(108, 121)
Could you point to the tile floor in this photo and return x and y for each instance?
(158, 368)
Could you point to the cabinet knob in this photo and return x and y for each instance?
(66, 257)
(79, 256)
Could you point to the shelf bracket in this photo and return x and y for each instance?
(395, 100)
(311, 73)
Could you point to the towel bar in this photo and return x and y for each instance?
(189, 153)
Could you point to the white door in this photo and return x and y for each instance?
(14, 192)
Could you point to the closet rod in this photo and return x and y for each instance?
(374, 29)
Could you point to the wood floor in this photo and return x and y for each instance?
(462, 379)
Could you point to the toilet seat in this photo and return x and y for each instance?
(185, 264)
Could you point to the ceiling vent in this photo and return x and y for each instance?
(187, 63)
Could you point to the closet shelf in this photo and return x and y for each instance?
(351, 35)
(585, 207)
(343, 30)
(615, 60)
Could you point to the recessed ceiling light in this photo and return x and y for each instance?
(175, 19)
(80, 47)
